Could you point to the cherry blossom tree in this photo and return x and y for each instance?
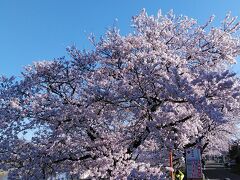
(115, 112)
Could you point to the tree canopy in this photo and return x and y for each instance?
(115, 112)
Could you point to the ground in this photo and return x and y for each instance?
(217, 171)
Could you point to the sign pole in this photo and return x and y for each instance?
(171, 164)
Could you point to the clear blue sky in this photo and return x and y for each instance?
(32, 30)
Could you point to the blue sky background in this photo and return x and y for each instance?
(32, 30)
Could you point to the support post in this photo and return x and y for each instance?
(171, 164)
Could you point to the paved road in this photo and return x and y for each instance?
(216, 171)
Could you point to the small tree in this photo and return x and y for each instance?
(117, 111)
(234, 152)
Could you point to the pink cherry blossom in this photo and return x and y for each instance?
(115, 112)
